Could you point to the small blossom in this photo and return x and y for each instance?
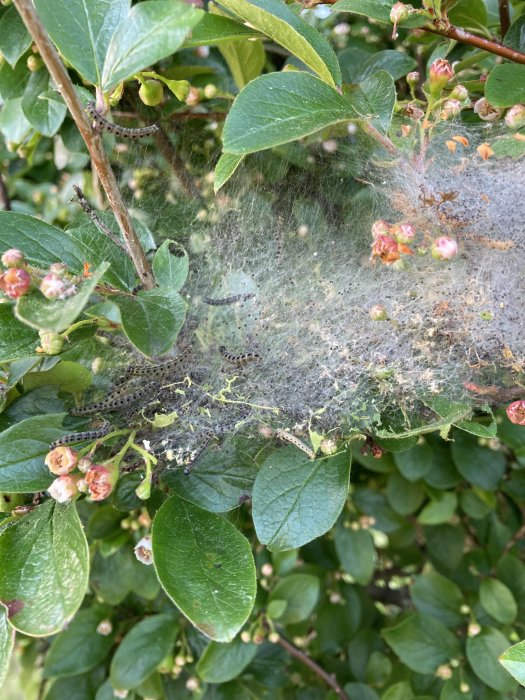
(245, 636)
(104, 628)
(143, 551)
(444, 248)
(330, 145)
(412, 111)
(486, 111)
(439, 74)
(398, 13)
(342, 29)
(120, 693)
(451, 108)
(460, 93)
(266, 569)
(328, 446)
(474, 629)
(193, 98)
(192, 684)
(403, 233)
(52, 286)
(15, 282)
(13, 258)
(273, 637)
(84, 464)
(210, 91)
(63, 489)
(444, 672)
(380, 228)
(385, 248)
(100, 480)
(378, 312)
(61, 460)
(514, 119)
(413, 78)
(516, 412)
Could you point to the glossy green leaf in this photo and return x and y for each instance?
(469, 14)
(276, 20)
(480, 466)
(45, 566)
(301, 593)
(281, 107)
(23, 448)
(483, 651)
(70, 376)
(214, 29)
(404, 496)
(45, 111)
(220, 663)
(356, 552)
(82, 687)
(395, 63)
(7, 641)
(245, 59)
(515, 36)
(422, 643)
(13, 80)
(513, 659)
(152, 320)
(440, 509)
(142, 650)
(151, 31)
(14, 37)
(438, 596)
(170, 270)
(91, 23)
(485, 431)
(13, 124)
(79, 647)
(498, 601)
(205, 566)
(296, 499)
(16, 339)
(226, 166)
(505, 85)
(375, 9)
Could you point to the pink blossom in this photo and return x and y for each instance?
(515, 117)
(444, 248)
(486, 111)
(15, 282)
(403, 233)
(516, 412)
(380, 228)
(64, 488)
(52, 286)
(385, 248)
(439, 74)
(61, 460)
(100, 481)
(13, 258)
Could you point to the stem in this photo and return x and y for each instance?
(378, 136)
(313, 666)
(504, 16)
(93, 141)
(5, 202)
(470, 61)
(465, 37)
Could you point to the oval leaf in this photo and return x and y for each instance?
(505, 85)
(14, 37)
(220, 663)
(514, 661)
(206, 567)
(483, 651)
(16, 339)
(498, 601)
(226, 166)
(170, 270)
(356, 552)
(7, 641)
(300, 593)
(45, 566)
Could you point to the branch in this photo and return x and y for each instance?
(5, 202)
(465, 37)
(93, 140)
(504, 16)
(312, 665)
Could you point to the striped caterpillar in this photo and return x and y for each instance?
(239, 360)
(114, 402)
(85, 436)
(227, 300)
(288, 437)
(100, 123)
(160, 370)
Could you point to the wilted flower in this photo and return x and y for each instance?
(516, 412)
(385, 248)
(61, 460)
(515, 117)
(439, 74)
(451, 108)
(15, 282)
(13, 258)
(398, 13)
(100, 480)
(143, 550)
(403, 233)
(486, 111)
(444, 248)
(378, 312)
(380, 228)
(53, 286)
(64, 488)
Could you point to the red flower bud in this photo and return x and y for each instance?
(439, 74)
(13, 258)
(444, 248)
(15, 282)
(100, 480)
(516, 412)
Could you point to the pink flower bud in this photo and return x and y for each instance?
(451, 108)
(61, 460)
(380, 228)
(444, 248)
(193, 97)
(460, 93)
(516, 412)
(398, 13)
(413, 78)
(330, 145)
(143, 551)
(403, 233)
(378, 313)
(385, 248)
(439, 74)
(15, 282)
(486, 111)
(100, 480)
(64, 488)
(52, 286)
(58, 269)
(341, 29)
(13, 258)
(515, 117)
(84, 464)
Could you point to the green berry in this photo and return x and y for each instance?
(151, 93)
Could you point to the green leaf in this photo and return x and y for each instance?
(404, 496)
(214, 29)
(276, 20)
(152, 320)
(469, 14)
(57, 314)
(14, 37)
(92, 23)
(515, 36)
(440, 509)
(395, 63)
(301, 593)
(45, 566)
(220, 663)
(296, 499)
(81, 687)
(7, 642)
(22, 451)
(150, 32)
(13, 80)
(281, 107)
(45, 115)
(478, 429)
(376, 96)
(70, 376)
(205, 566)
(16, 339)
(438, 596)
(245, 59)
(422, 643)
(142, 650)
(79, 647)
(483, 651)
(514, 661)
(226, 166)
(13, 124)
(505, 85)
(480, 466)
(170, 270)
(498, 601)
(376, 9)
(356, 552)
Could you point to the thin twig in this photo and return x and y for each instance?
(312, 665)
(93, 141)
(5, 202)
(464, 37)
(95, 218)
(504, 16)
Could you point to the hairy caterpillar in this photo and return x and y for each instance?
(82, 436)
(288, 437)
(160, 370)
(227, 300)
(113, 402)
(96, 219)
(239, 360)
(100, 123)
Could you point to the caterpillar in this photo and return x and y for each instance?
(82, 436)
(114, 402)
(100, 123)
(227, 300)
(239, 360)
(288, 437)
(160, 370)
(96, 219)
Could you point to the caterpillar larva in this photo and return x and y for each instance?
(85, 436)
(239, 360)
(227, 300)
(96, 219)
(160, 370)
(100, 123)
(113, 402)
(288, 437)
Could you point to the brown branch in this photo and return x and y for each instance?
(464, 37)
(5, 202)
(93, 141)
(504, 16)
(330, 680)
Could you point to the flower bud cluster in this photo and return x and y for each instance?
(18, 280)
(96, 480)
(390, 242)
